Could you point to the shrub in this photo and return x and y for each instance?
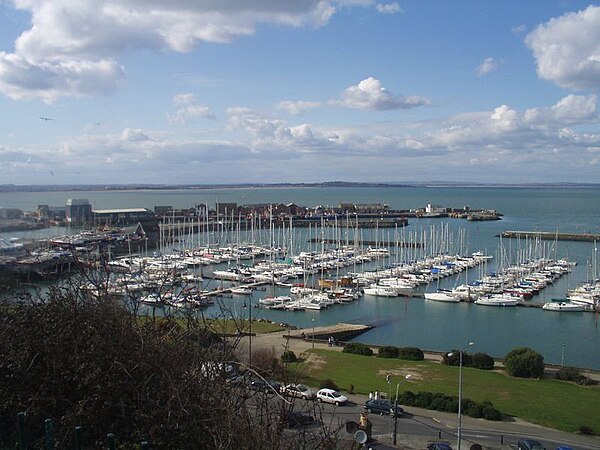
(575, 375)
(524, 362)
(474, 410)
(411, 353)
(289, 357)
(482, 361)
(423, 399)
(388, 351)
(453, 358)
(407, 398)
(586, 430)
(358, 349)
(329, 384)
(491, 413)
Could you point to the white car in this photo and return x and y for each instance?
(331, 396)
(298, 390)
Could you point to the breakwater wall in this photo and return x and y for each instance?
(550, 236)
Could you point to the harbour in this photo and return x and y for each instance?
(412, 321)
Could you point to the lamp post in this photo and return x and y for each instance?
(460, 363)
(407, 377)
(562, 355)
(313, 334)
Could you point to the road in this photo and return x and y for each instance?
(421, 426)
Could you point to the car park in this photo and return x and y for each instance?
(529, 444)
(438, 446)
(381, 406)
(298, 391)
(295, 419)
(264, 385)
(330, 396)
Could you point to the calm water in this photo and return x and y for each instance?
(414, 322)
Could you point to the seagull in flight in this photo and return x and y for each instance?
(46, 118)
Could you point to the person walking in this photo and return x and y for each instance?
(370, 395)
(376, 394)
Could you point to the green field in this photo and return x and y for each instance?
(552, 403)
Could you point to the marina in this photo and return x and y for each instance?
(397, 320)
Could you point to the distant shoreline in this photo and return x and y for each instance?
(331, 184)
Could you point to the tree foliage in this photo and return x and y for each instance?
(524, 362)
(89, 361)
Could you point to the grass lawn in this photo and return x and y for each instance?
(551, 403)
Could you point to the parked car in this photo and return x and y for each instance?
(268, 386)
(331, 396)
(439, 446)
(298, 391)
(381, 406)
(295, 419)
(529, 444)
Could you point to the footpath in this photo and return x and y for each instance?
(279, 342)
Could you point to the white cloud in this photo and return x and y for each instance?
(370, 94)
(388, 8)
(297, 107)
(134, 135)
(72, 46)
(188, 109)
(567, 49)
(21, 78)
(488, 65)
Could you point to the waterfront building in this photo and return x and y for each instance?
(123, 217)
(78, 211)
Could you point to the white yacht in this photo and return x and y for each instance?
(563, 306)
(441, 296)
(381, 291)
(497, 300)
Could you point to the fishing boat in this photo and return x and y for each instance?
(562, 306)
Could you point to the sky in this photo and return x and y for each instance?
(264, 91)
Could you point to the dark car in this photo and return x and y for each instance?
(439, 446)
(529, 444)
(268, 386)
(294, 419)
(381, 406)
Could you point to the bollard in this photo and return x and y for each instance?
(502, 439)
(21, 431)
(110, 440)
(439, 434)
(145, 445)
(78, 438)
(49, 431)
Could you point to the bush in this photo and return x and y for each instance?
(491, 413)
(329, 384)
(574, 374)
(586, 430)
(411, 353)
(407, 398)
(388, 351)
(453, 358)
(482, 361)
(423, 399)
(358, 349)
(289, 357)
(474, 410)
(524, 362)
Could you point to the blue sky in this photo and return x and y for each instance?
(217, 91)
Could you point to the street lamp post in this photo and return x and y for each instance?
(313, 335)
(407, 377)
(562, 355)
(460, 364)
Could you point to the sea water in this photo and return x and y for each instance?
(572, 337)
